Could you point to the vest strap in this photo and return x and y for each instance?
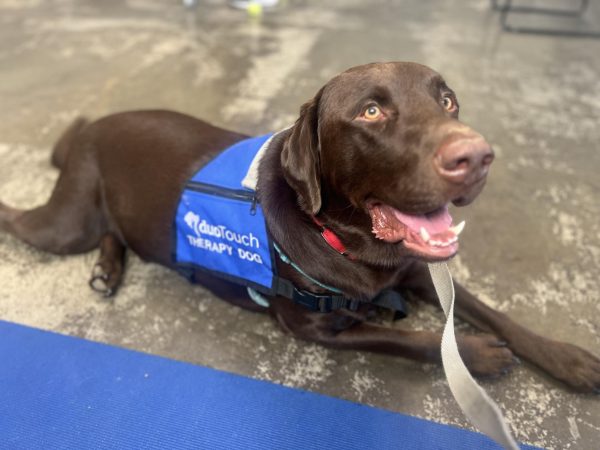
(330, 302)
(314, 302)
(389, 299)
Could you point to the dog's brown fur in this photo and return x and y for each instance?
(121, 178)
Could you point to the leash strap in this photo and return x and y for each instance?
(479, 408)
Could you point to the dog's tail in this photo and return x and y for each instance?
(64, 144)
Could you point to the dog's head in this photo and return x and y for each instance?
(386, 139)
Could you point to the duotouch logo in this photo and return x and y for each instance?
(227, 239)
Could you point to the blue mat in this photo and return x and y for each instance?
(59, 392)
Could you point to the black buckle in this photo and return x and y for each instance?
(314, 302)
(323, 303)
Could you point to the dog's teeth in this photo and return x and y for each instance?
(457, 229)
(424, 234)
(447, 243)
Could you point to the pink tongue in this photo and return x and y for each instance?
(434, 223)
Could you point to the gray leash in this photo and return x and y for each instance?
(479, 408)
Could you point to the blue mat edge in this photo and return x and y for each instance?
(385, 418)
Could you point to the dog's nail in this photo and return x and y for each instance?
(517, 360)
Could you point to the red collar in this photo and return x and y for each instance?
(332, 239)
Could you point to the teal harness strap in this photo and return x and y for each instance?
(287, 260)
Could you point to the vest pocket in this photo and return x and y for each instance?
(223, 230)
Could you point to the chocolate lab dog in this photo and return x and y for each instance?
(374, 159)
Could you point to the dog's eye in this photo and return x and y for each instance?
(448, 103)
(372, 113)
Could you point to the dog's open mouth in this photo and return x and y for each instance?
(430, 235)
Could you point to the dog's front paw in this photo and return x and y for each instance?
(485, 356)
(572, 365)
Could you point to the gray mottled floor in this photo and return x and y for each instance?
(532, 243)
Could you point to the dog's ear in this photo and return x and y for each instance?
(300, 157)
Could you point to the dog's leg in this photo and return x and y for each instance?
(65, 143)
(107, 273)
(7, 216)
(485, 355)
(568, 363)
(72, 221)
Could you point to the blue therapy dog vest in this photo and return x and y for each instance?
(220, 227)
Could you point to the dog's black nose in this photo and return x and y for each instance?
(464, 158)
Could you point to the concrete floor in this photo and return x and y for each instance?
(532, 243)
